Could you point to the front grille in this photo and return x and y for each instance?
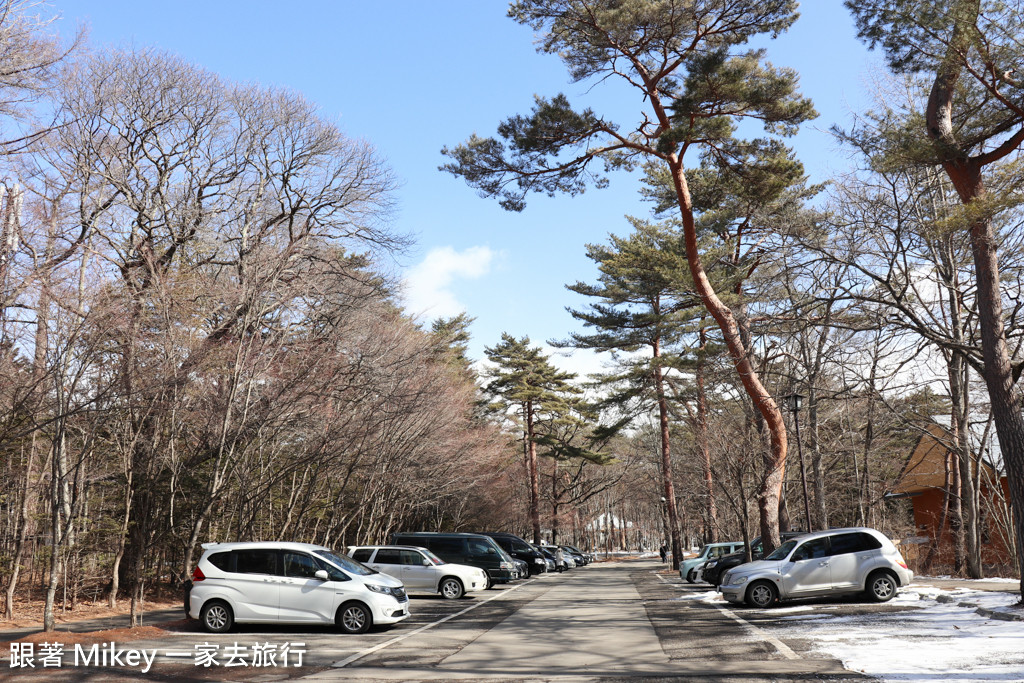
(400, 594)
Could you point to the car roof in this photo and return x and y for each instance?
(262, 545)
(459, 534)
(842, 530)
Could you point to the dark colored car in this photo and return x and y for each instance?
(475, 550)
(587, 557)
(520, 550)
(579, 558)
(549, 552)
(715, 569)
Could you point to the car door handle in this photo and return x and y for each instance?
(823, 564)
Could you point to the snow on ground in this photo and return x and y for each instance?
(935, 643)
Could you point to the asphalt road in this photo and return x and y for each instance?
(608, 622)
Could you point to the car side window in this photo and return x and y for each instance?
(847, 543)
(299, 565)
(388, 556)
(812, 549)
(479, 548)
(221, 561)
(362, 554)
(447, 546)
(869, 542)
(256, 561)
(412, 558)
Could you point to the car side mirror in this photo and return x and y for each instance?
(427, 563)
(322, 575)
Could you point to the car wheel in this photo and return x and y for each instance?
(451, 588)
(762, 594)
(490, 582)
(691, 576)
(216, 616)
(354, 617)
(881, 587)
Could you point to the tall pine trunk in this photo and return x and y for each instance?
(770, 490)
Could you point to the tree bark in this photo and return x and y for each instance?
(710, 509)
(531, 447)
(771, 485)
(666, 460)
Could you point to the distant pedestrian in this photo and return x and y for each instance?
(663, 551)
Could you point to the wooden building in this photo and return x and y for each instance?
(923, 483)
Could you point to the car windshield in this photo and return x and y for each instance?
(346, 563)
(432, 557)
(783, 551)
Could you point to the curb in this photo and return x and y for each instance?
(983, 611)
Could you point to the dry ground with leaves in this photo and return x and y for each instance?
(28, 613)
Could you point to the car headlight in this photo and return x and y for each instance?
(386, 590)
(740, 580)
(537, 560)
(711, 564)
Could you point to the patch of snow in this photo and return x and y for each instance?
(707, 596)
(937, 643)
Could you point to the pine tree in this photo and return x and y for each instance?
(639, 308)
(524, 380)
(684, 59)
(971, 52)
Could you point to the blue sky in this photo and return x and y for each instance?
(413, 76)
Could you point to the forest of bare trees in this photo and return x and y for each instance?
(201, 339)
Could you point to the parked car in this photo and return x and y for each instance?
(522, 568)
(833, 562)
(715, 568)
(587, 557)
(561, 565)
(476, 550)
(266, 583)
(520, 550)
(550, 562)
(421, 570)
(687, 568)
(576, 555)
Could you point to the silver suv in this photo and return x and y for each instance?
(833, 562)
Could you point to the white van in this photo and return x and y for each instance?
(295, 583)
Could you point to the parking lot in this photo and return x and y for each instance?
(608, 620)
(631, 619)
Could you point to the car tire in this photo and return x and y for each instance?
(490, 582)
(762, 594)
(691, 576)
(882, 586)
(216, 616)
(451, 588)
(354, 617)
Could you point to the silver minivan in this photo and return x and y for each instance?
(833, 562)
(296, 583)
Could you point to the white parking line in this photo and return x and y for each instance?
(783, 649)
(359, 655)
(779, 645)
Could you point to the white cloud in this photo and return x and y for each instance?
(428, 285)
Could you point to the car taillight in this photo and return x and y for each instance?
(900, 562)
(197, 574)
